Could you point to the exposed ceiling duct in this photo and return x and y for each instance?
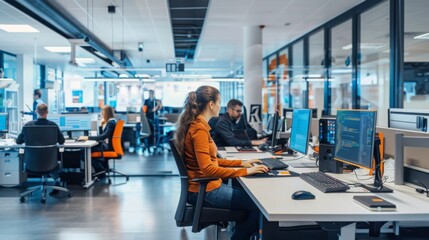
(56, 19)
(187, 20)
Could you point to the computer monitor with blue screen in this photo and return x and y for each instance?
(300, 133)
(70, 122)
(356, 142)
(4, 123)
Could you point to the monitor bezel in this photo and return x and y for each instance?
(309, 112)
(372, 141)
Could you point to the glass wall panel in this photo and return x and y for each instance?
(9, 66)
(416, 54)
(298, 85)
(341, 70)
(269, 91)
(283, 76)
(315, 76)
(374, 59)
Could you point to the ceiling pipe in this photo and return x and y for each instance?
(49, 15)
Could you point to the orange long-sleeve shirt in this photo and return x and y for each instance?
(200, 157)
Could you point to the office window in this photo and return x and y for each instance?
(298, 85)
(315, 75)
(269, 92)
(416, 54)
(9, 66)
(283, 76)
(374, 59)
(341, 67)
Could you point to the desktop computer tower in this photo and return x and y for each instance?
(327, 163)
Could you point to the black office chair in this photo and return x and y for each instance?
(41, 157)
(199, 216)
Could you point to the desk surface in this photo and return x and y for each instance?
(277, 205)
(86, 144)
(273, 198)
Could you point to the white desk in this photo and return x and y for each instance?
(88, 160)
(278, 207)
(85, 145)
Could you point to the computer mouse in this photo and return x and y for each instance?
(302, 195)
(263, 147)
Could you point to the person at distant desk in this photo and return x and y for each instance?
(152, 105)
(83, 109)
(42, 112)
(223, 133)
(37, 95)
(108, 124)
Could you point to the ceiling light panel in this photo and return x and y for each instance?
(18, 28)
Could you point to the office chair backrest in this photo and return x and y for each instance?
(116, 138)
(145, 129)
(181, 207)
(41, 151)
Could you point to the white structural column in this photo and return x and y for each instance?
(252, 59)
(24, 77)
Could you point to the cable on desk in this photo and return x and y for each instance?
(354, 171)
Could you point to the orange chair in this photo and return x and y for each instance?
(117, 152)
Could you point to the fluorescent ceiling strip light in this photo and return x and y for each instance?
(423, 36)
(59, 49)
(223, 80)
(118, 80)
(18, 28)
(85, 60)
(373, 46)
(190, 76)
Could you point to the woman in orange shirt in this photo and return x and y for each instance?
(199, 151)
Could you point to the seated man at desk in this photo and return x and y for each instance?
(42, 113)
(223, 130)
(108, 124)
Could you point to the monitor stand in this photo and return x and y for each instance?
(377, 187)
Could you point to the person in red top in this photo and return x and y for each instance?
(199, 151)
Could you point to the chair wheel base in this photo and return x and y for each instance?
(21, 199)
(43, 200)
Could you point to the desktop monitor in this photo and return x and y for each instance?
(355, 141)
(274, 132)
(288, 112)
(300, 133)
(4, 123)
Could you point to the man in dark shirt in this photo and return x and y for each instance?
(37, 97)
(152, 106)
(223, 133)
(42, 112)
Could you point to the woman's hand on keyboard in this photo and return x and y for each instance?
(257, 169)
(250, 163)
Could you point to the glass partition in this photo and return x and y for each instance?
(374, 61)
(416, 54)
(315, 75)
(298, 85)
(341, 67)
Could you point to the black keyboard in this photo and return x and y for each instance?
(274, 164)
(323, 182)
(246, 148)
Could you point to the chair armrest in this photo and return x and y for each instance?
(203, 180)
(200, 200)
